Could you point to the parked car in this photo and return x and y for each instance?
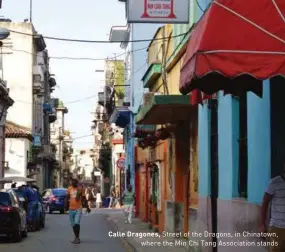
(40, 221)
(54, 200)
(13, 217)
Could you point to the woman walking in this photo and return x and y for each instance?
(112, 197)
(98, 199)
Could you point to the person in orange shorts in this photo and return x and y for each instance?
(75, 196)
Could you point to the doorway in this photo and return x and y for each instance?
(277, 125)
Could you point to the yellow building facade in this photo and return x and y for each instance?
(168, 154)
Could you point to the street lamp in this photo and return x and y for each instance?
(4, 33)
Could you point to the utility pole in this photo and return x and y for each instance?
(31, 11)
(60, 156)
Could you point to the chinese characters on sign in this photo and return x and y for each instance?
(158, 9)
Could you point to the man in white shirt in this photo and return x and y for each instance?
(275, 195)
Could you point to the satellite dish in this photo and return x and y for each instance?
(4, 33)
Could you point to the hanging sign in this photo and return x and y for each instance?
(158, 11)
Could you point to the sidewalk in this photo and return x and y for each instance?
(156, 244)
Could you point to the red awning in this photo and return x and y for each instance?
(235, 46)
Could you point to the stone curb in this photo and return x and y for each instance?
(129, 247)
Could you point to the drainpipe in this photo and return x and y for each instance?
(60, 155)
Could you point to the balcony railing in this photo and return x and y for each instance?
(101, 99)
(38, 79)
(105, 97)
(52, 116)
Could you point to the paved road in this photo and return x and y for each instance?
(57, 235)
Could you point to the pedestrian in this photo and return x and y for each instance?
(14, 185)
(128, 198)
(39, 210)
(275, 196)
(112, 197)
(32, 206)
(89, 197)
(75, 196)
(118, 196)
(98, 199)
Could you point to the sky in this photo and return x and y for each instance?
(76, 80)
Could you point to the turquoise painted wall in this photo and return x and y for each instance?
(228, 135)
(204, 119)
(138, 65)
(259, 144)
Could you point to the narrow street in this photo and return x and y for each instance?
(57, 235)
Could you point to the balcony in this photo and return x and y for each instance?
(42, 60)
(39, 43)
(47, 149)
(62, 107)
(38, 80)
(52, 116)
(101, 99)
(33, 171)
(37, 142)
(151, 75)
(105, 97)
(52, 82)
(101, 127)
(54, 102)
(120, 34)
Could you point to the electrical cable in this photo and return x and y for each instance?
(75, 101)
(75, 138)
(95, 41)
(86, 58)
(75, 58)
(86, 98)
(198, 4)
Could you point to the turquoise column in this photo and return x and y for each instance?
(204, 150)
(259, 143)
(228, 135)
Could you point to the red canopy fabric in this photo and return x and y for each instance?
(197, 97)
(235, 46)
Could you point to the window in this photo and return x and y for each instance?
(59, 192)
(5, 199)
(46, 194)
(243, 163)
(14, 199)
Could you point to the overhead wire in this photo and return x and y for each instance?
(85, 98)
(75, 58)
(80, 137)
(199, 6)
(89, 58)
(95, 41)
